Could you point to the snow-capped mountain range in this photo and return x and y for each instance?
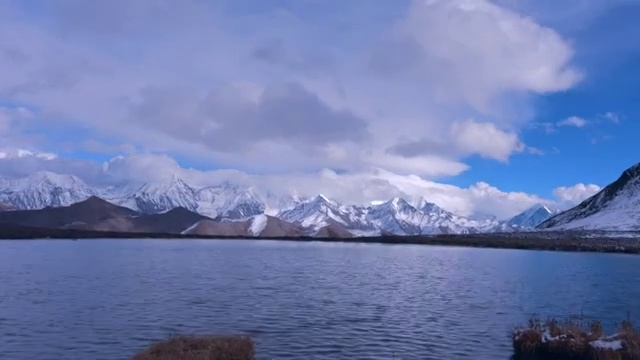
(231, 202)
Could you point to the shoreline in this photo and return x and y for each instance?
(541, 241)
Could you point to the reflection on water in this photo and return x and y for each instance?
(107, 299)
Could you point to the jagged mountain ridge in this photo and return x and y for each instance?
(320, 212)
(614, 208)
(396, 217)
(228, 201)
(44, 189)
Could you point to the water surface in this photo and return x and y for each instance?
(106, 299)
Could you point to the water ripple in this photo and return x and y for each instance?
(107, 299)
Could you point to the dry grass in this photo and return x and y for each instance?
(573, 339)
(200, 348)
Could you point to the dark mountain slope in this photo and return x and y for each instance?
(171, 222)
(89, 211)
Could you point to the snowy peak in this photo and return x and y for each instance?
(229, 201)
(396, 207)
(324, 202)
(225, 200)
(531, 217)
(616, 207)
(278, 203)
(173, 184)
(397, 217)
(47, 179)
(430, 208)
(162, 196)
(317, 209)
(399, 204)
(44, 189)
(321, 211)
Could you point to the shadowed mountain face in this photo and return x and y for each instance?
(97, 214)
(84, 213)
(615, 207)
(531, 217)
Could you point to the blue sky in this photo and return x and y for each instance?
(608, 50)
(421, 98)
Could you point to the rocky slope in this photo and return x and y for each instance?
(615, 208)
(260, 225)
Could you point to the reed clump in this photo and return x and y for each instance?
(200, 348)
(574, 340)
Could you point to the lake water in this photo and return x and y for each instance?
(107, 299)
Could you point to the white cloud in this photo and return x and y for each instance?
(265, 93)
(479, 50)
(281, 99)
(612, 117)
(575, 194)
(535, 151)
(485, 139)
(574, 121)
(21, 153)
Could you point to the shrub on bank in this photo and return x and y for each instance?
(574, 340)
(200, 348)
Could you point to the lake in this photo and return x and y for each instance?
(107, 299)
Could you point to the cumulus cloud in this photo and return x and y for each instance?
(485, 139)
(16, 163)
(477, 50)
(576, 193)
(574, 121)
(611, 117)
(254, 98)
(408, 93)
(21, 153)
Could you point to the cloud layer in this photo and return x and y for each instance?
(207, 82)
(358, 102)
(576, 193)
